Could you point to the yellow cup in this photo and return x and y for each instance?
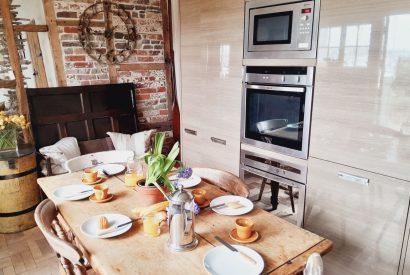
(244, 227)
(199, 195)
(130, 179)
(101, 191)
(90, 175)
(151, 225)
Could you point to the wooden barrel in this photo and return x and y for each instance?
(19, 192)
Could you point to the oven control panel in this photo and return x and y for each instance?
(305, 26)
(302, 76)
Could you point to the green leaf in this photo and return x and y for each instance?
(159, 143)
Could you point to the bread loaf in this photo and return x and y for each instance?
(103, 223)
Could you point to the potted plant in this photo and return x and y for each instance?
(153, 189)
(10, 126)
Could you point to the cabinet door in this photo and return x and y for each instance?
(366, 223)
(361, 103)
(211, 65)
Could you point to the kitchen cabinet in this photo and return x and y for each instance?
(365, 221)
(211, 77)
(361, 100)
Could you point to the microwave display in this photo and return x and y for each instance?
(273, 28)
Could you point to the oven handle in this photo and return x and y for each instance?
(277, 88)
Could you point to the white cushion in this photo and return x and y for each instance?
(138, 142)
(63, 150)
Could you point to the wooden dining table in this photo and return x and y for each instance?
(283, 246)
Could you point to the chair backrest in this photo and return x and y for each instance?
(89, 160)
(314, 265)
(46, 219)
(225, 180)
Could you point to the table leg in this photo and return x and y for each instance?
(274, 188)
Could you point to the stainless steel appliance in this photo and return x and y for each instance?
(282, 172)
(181, 221)
(276, 109)
(281, 29)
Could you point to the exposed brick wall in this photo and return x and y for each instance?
(80, 69)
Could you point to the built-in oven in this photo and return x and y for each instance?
(276, 109)
(281, 29)
(257, 169)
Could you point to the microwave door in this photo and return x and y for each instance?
(277, 28)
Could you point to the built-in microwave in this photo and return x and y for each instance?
(279, 29)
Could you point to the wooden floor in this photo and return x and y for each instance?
(26, 253)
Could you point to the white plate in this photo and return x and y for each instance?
(220, 260)
(194, 180)
(73, 192)
(90, 226)
(111, 168)
(247, 205)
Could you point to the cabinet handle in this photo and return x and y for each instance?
(353, 178)
(218, 140)
(189, 131)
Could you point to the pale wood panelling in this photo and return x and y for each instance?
(361, 104)
(366, 223)
(211, 69)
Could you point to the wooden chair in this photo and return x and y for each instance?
(70, 256)
(89, 160)
(224, 180)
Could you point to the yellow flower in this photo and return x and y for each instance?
(2, 127)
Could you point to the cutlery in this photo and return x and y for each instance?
(233, 249)
(233, 204)
(105, 173)
(115, 228)
(79, 193)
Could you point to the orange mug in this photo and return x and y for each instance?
(199, 195)
(101, 191)
(90, 175)
(244, 227)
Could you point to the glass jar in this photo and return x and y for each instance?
(134, 172)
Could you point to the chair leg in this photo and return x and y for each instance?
(292, 203)
(262, 188)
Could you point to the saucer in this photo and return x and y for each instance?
(99, 179)
(234, 236)
(94, 199)
(205, 204)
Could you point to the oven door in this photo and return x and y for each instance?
(277, 118)
(284, 28)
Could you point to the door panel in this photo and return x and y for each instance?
(366, 223)
(362, 91)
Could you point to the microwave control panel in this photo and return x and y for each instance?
(305, 26)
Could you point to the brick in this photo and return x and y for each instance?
(66, 14)
(147, 90)
(162, 89)
(86, 77)
(68, 51)
(75, 58)
(145, 59)
(163, 112)
(143, 96)
(71, 29)
(83, 65)
(71, 44)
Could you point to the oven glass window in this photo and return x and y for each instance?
(275, 117)
(274, 28)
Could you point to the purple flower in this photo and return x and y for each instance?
(197, 209)
(184, 172)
